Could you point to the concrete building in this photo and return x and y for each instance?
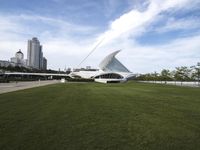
(35, 54)
(34, 59)
(18, 60)
(4, 63)
(44, 64)
(111, 70)
(19, 55)
(41, 59)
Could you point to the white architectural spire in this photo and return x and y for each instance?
(110, 63)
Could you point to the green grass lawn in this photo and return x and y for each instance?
(78, 116)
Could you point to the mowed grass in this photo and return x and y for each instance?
(80, 116)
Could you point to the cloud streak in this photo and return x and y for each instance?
(66, 43)
(135, 21)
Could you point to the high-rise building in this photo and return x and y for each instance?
(41, 58)
(44, 65)
(19, 55)
(18, 59)
(35, 54)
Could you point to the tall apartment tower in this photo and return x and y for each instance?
(44, 65)
(35, 54)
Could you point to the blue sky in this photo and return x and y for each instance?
(153, 34)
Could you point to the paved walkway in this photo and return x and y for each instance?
(13, 86)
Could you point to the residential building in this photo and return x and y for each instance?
(34, 54)
(18, 60)
(44, 64)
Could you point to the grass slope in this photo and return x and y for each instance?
(92, 116)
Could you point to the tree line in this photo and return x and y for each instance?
(28, 70)
(182, 73)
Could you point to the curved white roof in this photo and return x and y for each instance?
(110, 63)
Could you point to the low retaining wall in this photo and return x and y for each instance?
(178, 83)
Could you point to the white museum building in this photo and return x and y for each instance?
(111, 71)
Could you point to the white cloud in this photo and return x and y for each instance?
(62, 48)
(143, 59)
(59, 41)
(180, 24)
(133, 22)
(33, 24)
(149, 58)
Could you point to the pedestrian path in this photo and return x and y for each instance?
(15, 86)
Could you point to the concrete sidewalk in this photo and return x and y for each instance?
(15, 86)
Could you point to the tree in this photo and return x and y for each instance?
(165, 75)
(196, 72)
(178, 74)
(183, 74)
(156, 76)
